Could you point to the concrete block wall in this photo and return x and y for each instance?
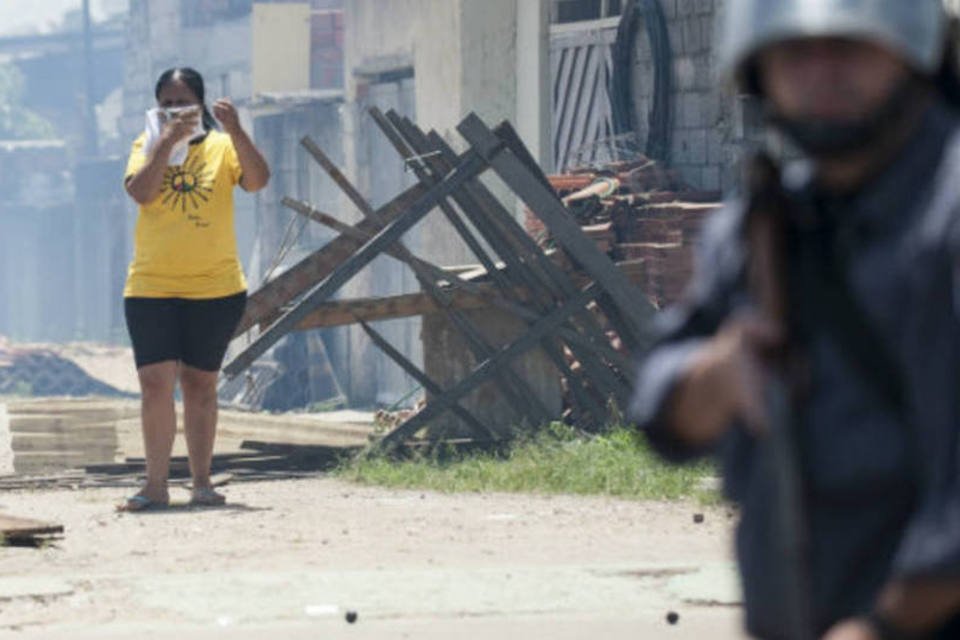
(711, 126)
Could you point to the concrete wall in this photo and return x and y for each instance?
(465, 58)
(281, 44)
(711, 128)
(533, 117)
(433, 61)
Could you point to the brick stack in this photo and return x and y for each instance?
(650, 226)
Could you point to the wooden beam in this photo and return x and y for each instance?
(490, 367)
(337, 176)
(636, 314)
(515, 389)
(485, 210)
(470, 168)
(291, 284)
(529, 266)
(496, 225)
(482, 430)
(416, 161)
(375, 309)
(12, 528)
(417, 264)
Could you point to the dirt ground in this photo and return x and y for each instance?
(289, 559)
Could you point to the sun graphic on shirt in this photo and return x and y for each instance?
(187, 185)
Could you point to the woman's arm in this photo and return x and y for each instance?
(254, 169)
(145, 185)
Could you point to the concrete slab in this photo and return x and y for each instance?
(6, 442)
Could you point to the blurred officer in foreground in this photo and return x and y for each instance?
(818, 350)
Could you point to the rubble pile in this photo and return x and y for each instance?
(40, 371)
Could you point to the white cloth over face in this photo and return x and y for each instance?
(155, 120)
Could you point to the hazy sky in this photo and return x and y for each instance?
(31, 16)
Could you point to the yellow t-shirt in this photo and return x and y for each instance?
(185, 244)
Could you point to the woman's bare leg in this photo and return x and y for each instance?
(159, 425)
(200, 425)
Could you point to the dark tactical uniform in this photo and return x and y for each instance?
(881, 479)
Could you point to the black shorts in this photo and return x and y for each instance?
(194, 332)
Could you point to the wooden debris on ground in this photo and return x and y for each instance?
(19, 531)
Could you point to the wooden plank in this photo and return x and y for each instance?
(556, 281)
(288, 449)
(483, 208)
(375, 309)
(500, 240)
(490, 367)
(398, 249)
(520, 273)
(436, 168)
(337, 176)
(424, 380)
(479, 202)
(356, 233)
(14, 528)
(288, 286)
(324, 290)
(489, 223)
(516, 390)
(425, 177)
(637, 315)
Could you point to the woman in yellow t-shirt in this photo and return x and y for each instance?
(185, 289)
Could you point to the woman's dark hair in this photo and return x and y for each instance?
(193, 79)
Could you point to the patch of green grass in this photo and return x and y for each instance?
(556, 460)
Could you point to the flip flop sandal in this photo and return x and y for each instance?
(140, 502)
(207, 498)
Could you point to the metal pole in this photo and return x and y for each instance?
(91, 142)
